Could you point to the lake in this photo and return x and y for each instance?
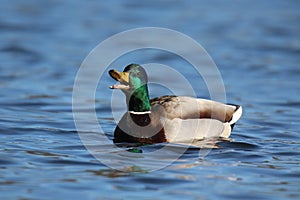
(255, 46)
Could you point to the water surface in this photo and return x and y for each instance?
(255, 45)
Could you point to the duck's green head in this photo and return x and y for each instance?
(133, 77)
(133, 82)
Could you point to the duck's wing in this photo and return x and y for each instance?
(192, 108)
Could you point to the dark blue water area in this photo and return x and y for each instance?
(256, 47)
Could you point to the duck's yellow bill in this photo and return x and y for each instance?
(122, 77)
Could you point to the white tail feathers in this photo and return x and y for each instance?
(236, 115)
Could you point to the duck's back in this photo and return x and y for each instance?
(184, 107)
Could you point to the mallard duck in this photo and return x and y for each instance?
(174, 119)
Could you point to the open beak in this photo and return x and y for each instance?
(122, 77)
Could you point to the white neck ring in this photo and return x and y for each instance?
(139, 113)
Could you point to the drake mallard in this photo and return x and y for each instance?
(174, 119)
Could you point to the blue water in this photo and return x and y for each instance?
(255, 45)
